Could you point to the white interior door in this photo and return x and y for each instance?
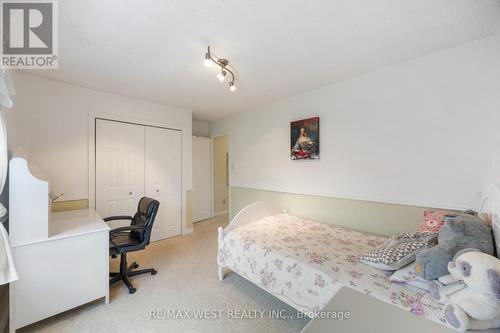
(202, 179)
(119, 168)
(163, 179)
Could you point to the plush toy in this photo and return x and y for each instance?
(476, 303)
(458, 233)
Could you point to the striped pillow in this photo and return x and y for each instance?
(398, 251)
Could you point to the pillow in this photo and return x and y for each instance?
(409, 236)
(398, 251)
(433, 221)
(408, 276)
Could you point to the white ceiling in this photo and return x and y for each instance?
(154, 50)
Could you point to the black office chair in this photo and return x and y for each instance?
(134, 237)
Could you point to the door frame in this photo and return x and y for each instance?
(92, 118)
(229, 169)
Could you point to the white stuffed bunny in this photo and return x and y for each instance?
(475, 304)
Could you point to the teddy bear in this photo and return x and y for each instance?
(473, 296)
(458, 233)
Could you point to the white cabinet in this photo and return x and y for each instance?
(133, 161)
(202, 179)
(67, 269)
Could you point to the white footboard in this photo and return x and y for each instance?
(250, 213)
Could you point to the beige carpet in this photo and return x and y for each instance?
(186, 280)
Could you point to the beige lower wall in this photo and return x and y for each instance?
(372, 217)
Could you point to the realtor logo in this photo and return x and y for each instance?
(29, 34)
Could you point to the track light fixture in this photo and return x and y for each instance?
(223, 64)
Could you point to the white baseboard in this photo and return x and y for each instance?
(223, 212)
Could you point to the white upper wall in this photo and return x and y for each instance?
(277, 48)
(200, 128)
(50, 122)
(418, 132)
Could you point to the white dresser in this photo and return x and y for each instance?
(62, 258)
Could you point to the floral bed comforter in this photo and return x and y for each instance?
(307, 262)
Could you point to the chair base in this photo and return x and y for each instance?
(127, 271)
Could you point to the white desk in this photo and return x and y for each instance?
(368, 314)
(68, 268)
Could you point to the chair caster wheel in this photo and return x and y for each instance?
(154, 272)
(132, 290)
(135, 265)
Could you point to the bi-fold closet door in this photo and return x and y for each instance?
(133, 161)
(163, 179)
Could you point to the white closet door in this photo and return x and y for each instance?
(163, 179)
(202, 179)
(119, 168)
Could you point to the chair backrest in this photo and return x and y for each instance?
(145, 217)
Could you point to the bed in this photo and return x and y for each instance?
(304, 263)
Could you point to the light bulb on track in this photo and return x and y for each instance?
(208, 61)
(221, 76)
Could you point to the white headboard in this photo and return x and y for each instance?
(490, 204)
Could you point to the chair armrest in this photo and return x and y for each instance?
(114, 218)
(127, 228)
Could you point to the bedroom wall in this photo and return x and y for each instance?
(49, 123)
(416, 133)
(200, 128)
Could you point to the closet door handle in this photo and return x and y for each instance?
(129, 193)
(157, 191)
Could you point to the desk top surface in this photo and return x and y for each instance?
(72, 223)
(75, 222)
(368, 314)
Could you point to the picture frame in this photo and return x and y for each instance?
(304, 139)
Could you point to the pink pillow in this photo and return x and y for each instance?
(433, 221)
